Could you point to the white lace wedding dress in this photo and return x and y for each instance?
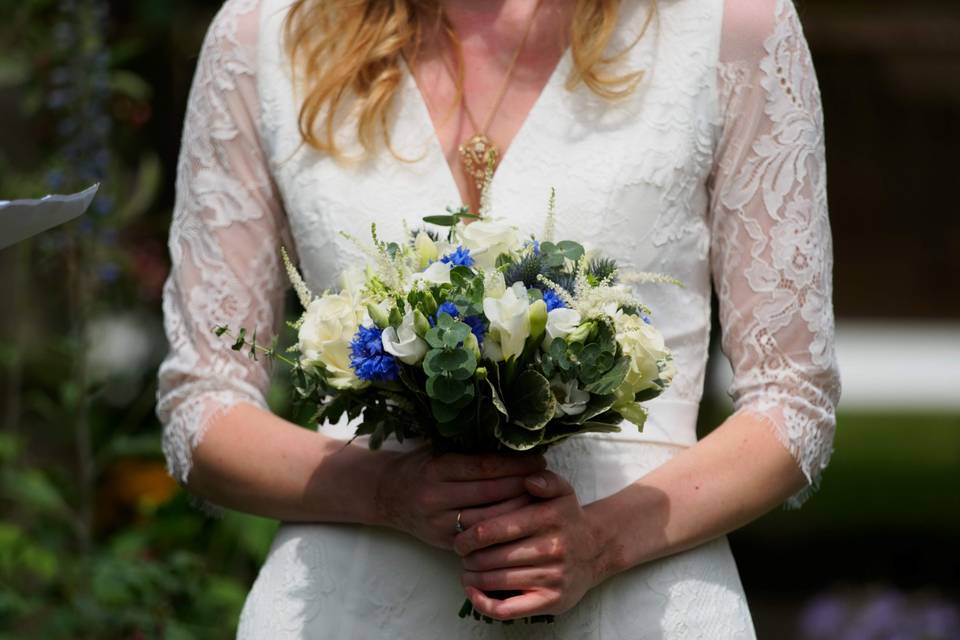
(714, 168)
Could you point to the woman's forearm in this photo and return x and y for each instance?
(734, 475)
(253, 461)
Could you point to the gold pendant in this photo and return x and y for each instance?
(476, 154)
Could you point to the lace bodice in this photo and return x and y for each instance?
(712, 171)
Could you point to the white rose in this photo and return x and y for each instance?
(436, 273)
(571, 399)
(403, 342)
(328, 328)
(487, 239)
(509, 318)
(560, 322)
(645, 347)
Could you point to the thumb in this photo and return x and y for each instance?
(547, 484)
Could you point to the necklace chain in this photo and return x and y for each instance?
(479, 154)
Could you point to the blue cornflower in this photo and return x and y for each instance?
(459, 258)
(536, 246)
(477, 326)
(448, 308)
(368, 358)
(553, 301)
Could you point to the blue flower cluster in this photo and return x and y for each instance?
(368, 358)
(553, 301)
(459, 258)
(476, 323)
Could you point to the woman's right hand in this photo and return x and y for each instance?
(421, 493)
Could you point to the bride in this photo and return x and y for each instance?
(682, 136)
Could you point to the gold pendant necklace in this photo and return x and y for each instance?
(477, 155)
(480, 155)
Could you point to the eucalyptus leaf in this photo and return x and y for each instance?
(612, 379)
(443, 412)
(445, 389)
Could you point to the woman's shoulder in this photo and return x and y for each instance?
(748, 25)
(236, 25)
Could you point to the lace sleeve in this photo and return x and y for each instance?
(771, 246)
(224, 242)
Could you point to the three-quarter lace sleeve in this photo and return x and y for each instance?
(771, 246)
(224, 242)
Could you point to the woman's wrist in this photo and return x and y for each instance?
(360, 476)
(628, 530)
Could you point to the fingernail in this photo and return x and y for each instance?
(538, 480)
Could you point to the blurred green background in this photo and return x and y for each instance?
(96, 541)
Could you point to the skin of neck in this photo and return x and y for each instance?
(492, 29)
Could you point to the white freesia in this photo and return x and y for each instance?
(491, 349)
(328, 328)
(403, 342)
(487, 238)
(494, 285)
(560, 322)
(426, 249)
(509, 318)
(571, 399)
(436, 273)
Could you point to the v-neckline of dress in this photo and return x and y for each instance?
(412, 89)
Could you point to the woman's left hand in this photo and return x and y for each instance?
(549, 551)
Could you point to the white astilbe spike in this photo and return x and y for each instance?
(562, 293)
(303, 292)
(390, 273)
(550, 224)
(648, 277)
(581, 283)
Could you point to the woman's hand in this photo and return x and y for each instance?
(548, 550)
(422, 494)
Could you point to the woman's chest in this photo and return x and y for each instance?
(629, 177)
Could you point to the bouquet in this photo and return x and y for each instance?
(471, 337)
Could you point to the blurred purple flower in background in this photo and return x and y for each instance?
(879, 614)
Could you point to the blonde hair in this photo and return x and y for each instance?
(352, 49)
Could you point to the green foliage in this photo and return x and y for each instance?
(96, 541)
(555, 255)
(600, 269)
(450, 370)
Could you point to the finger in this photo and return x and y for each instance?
(547, 484)
(531, 603)
(458, 468)
(520, 578)
(506, 528)
(473, 516)
(523, 553)
(457, 495)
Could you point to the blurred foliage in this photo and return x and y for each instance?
(96, 540)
